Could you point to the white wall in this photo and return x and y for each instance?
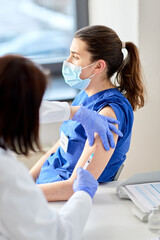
(144, 154)
(49, 133)
(121, 15)
(138, 21)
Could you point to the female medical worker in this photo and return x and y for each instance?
(95, 57)
(24, 213)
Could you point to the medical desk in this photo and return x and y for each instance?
(111, 218)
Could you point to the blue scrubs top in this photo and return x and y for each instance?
(59, 166)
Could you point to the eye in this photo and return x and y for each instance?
(75, 57)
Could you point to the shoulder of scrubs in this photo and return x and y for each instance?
(54, 111)
(25, 213)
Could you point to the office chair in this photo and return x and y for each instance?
(118, 172)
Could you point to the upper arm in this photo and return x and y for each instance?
(100, 157)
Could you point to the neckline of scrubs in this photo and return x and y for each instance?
(99, 93)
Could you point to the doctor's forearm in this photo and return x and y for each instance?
(73, 109)
(53, 111)
(57, 191)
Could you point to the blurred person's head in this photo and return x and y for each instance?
(22, 85)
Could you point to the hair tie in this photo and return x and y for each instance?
(123, 45)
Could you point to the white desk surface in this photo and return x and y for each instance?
(111, 218)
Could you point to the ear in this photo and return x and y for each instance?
(101, 65)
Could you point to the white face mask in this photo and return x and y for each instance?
(71, 75)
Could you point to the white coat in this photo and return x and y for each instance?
(54, 111)
(24, 211)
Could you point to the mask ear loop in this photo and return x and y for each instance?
(88, 66)
(92, 76)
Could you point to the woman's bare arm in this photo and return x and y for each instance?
(100, 157)
(59, 191)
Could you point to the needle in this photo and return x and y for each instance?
(88, 161)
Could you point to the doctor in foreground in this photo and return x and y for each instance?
(24, 212)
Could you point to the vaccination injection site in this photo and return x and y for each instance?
(79, 120)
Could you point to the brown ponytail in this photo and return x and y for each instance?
(103, 43)
(129, 77)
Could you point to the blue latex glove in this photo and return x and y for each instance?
(85, 182)
(94, 122)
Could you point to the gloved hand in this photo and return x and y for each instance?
(85, 182)
(94, 122)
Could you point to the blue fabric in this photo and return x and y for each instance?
(59, 165)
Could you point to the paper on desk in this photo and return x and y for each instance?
(144, 196)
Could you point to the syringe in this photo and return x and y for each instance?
(88, 161)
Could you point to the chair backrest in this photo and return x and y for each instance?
(118, 172)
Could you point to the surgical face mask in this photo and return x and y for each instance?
(71, 75)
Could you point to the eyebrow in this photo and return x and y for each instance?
(74, 52)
